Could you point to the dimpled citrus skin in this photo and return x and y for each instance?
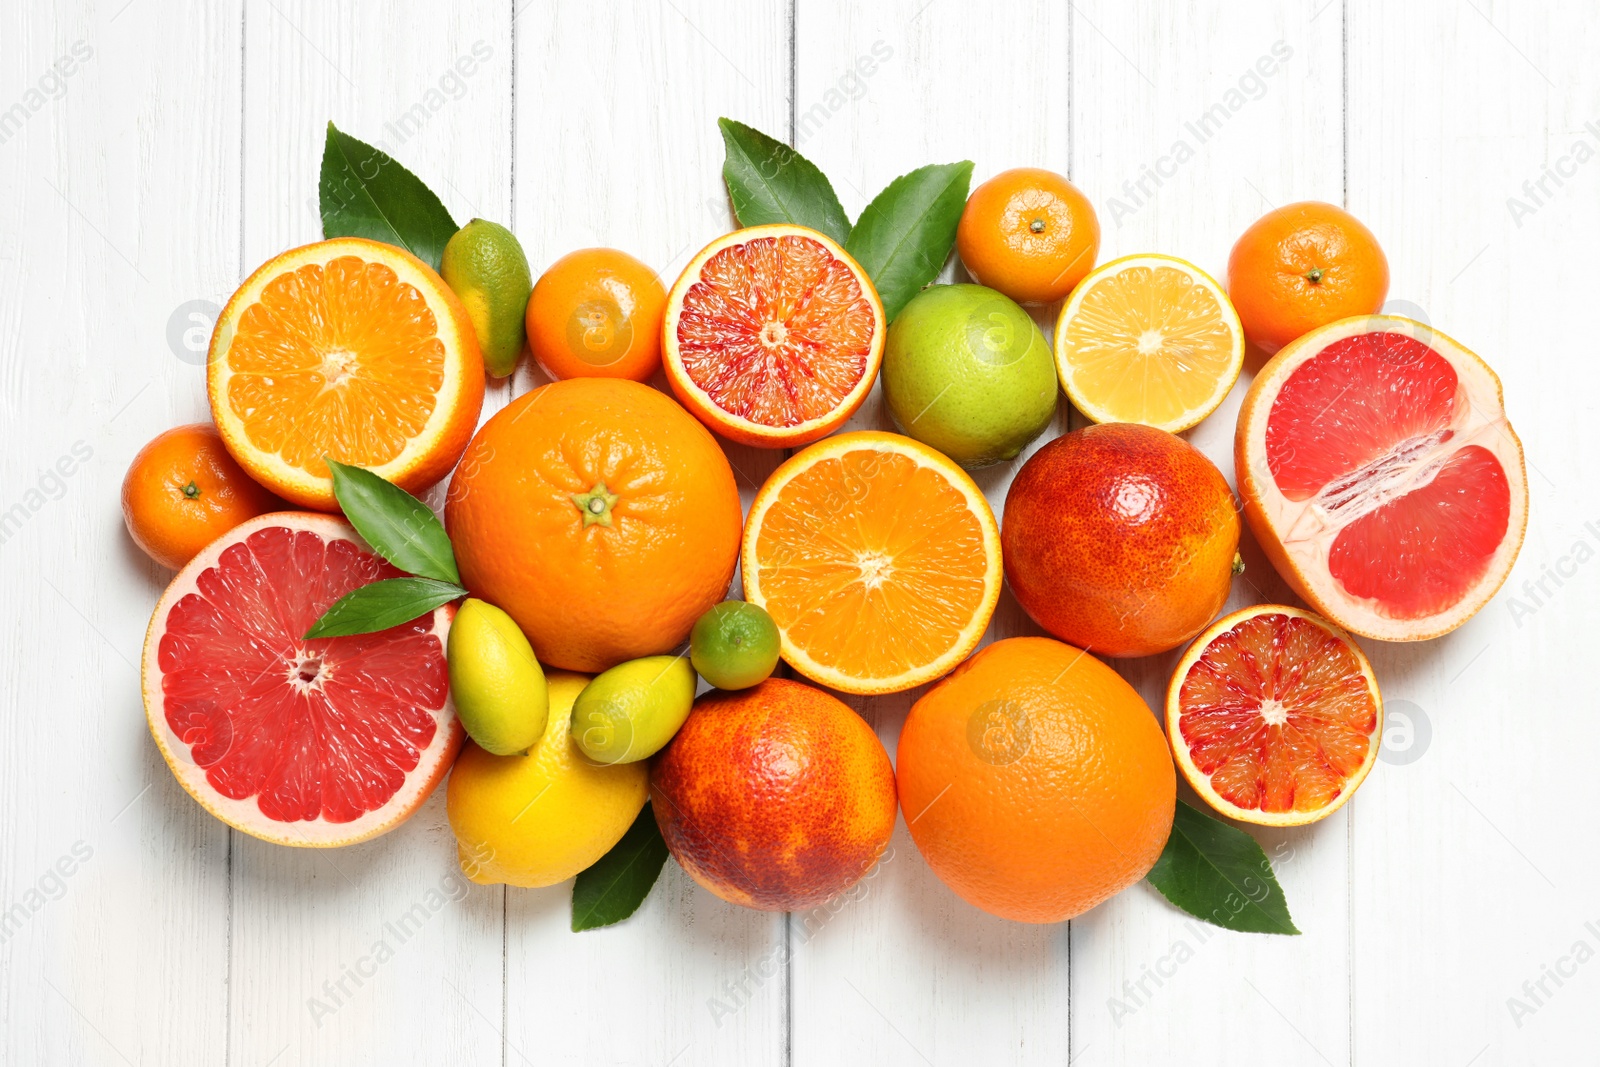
(591, 594)
(1035, 781)
(777, 797)
(1120, 538)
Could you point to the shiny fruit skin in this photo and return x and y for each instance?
(183, 491)
(777, 797)
(497, 684)
(631, 711)
(1120, 538)
(539, 819)
(1035, 781)
(1302, 266)
(485, 265)
(966, 371)
(734, 645)
(596, 313)
(629, 580)
(1029, 233)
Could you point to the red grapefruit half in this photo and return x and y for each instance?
(773, 336)
(315, 743)
(1380, 474)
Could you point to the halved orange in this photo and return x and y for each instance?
(1149, 339)
(346, 348)
(773, 336)
(1274, 716)
(877, 557)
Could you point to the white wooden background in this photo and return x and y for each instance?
(183, 152)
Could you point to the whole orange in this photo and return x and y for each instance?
(600, 516)
(1120, 538)
(183, 491)
(777, 797)
(1035, 781)
(1029, 233)
(596, 313)
(1302, 266)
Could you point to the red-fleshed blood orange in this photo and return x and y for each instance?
(300, 742)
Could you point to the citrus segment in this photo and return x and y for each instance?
(877, 558)
(346, 348)
(1149, 339)
(1274, 716)
(773, 335)
(301, 742)
(1382, 477)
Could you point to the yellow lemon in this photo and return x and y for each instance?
(540, 818)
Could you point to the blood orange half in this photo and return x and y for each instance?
(1381, 476)
(1274, 716)
(773, 336)
(320, 743)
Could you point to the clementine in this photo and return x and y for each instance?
(183, 491)
(1035, 781)
(596, 313)
(1029, 233)
(600, 516)
(1302, 266)
(777, 797)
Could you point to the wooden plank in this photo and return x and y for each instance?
(1470, 900)
(899, 969)
(381, 952)
(118, 161)
(1189, 123)
(617, 145)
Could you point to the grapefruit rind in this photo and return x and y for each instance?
(244, 814)
(1198, 780)
(737, 428)
(1099, 412)
(1303, 558)
(429, 455)
(971, 633)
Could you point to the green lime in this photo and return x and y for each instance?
(483, 263)
(967, 372)
(631, 711)
(495, 680)
(734, 645)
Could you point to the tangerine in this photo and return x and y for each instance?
(596, 313)
(183, 491)
(1029, 233)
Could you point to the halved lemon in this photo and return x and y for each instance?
(1274, 716)
(346, 348)
(877, 557)
(1149, 339)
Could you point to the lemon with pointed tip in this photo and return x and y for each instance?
(485, 266)
(630, 712)
(498, 686)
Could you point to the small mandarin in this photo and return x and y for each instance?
(183, 491)
(1029, 233)
(596, 313)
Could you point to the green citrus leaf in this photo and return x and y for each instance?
(617, 884)
(904, 236)
(1218, 873)
(398, 526)
(770, 182)
(365, 193)
(383, 604)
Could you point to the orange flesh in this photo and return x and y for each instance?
(776, 331)
(871, 562)
(1277, 714)
(341, 359)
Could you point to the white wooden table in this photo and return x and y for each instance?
(1450, 911)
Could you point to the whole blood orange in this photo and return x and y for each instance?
(183, 491)
(773, 336)
(776, 797)
(1035, 781)
(1382, 477)
(1029, 233)
(1120, 538)
(1302, 266)
(598, 515)
(316, 742)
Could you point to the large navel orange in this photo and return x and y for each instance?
(1035, 781)
(600, 516)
